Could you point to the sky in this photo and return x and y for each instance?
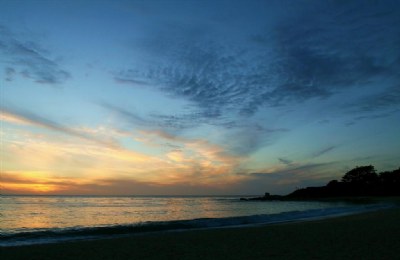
(195, 97)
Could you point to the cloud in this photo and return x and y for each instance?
(383, 104)
(129, 81)
(197, 163)
(242, 138)
(9, 73)
(132, 117)
(209, 76)
(247, 137)
(29, 59)
(372, 116)
(28, 118)
(192, 119)
(285, 161)
(23, 183)
(20, 183)
(314, 53)
(320, 53)
(299, 170)
(175, 161)
(196, 150)
(387, 99)
(173, 123)
(284, 180)
(68, 157)
(324, 151)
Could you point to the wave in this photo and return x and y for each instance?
(70, 234)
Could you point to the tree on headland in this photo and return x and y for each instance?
(359, 181)
(390, 178)
(361, 175)
(389, 182)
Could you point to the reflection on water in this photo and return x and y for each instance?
(29, 213)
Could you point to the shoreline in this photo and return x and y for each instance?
(370, 235)
(45, 237)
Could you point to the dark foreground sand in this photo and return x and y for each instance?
(366, 236)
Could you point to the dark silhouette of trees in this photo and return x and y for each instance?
(360, 181)
(389, 182)
(363, 175)
(390, 178)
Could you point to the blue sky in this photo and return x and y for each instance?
(196, 97)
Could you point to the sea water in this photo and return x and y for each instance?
(46, 219)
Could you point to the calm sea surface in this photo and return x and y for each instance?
(43, 219)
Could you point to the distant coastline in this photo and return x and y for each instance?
(362, 181)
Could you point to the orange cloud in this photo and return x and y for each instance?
(49, 162)
(197, 159)
(24, 183)
(32, 182)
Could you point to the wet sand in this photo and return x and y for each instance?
(372, 235)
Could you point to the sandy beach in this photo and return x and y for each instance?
(371, 235)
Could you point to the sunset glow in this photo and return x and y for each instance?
(195, 97)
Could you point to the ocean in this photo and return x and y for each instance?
(47, 219)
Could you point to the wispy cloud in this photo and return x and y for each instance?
(29, 59)
(22, 183)
(213, 78)
(9, 73)
(372, 116)
(313, 54)
(28, 118)
(324, 151)
(387, 99)
(241, 138)
(194, 162)
(285, 161)
(383, 104)
(45, 183)
(322, 53)
(244, 140)
(128, 115)
(196, 149)
(283, 180)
